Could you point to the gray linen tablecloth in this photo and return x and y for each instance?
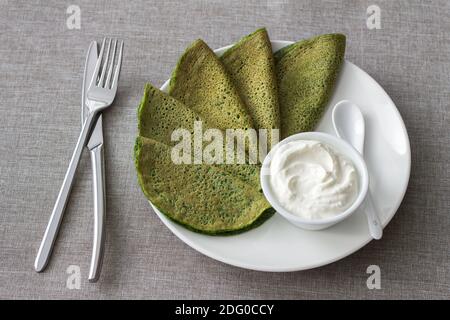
(41, 65)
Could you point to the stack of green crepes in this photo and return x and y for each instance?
(247, 87)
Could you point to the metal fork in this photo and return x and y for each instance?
(101, 94)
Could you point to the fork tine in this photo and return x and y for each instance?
(110, 69)
(97, 65)
(104, 65)
(117, 71)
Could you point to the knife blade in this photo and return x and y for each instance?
(95, 146)
(89, 68)
(91, 59)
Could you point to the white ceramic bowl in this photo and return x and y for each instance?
(339, 146)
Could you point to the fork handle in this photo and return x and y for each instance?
(52, 229)
(98, 165)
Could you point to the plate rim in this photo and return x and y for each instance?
(171, 225)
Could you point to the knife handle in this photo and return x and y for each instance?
(53, 225)
(98, 165)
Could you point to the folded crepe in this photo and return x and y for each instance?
(251, 66)
(207, 199)
(159, 115)
(307, 72)
(201, 82)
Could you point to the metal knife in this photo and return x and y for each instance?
(95, 146)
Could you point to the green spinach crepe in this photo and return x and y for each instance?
(160, 114)
(238, 91)
(203, 198)
(201, 82)
(251, 66)
(307, 72)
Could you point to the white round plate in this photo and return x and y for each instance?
(277, 245)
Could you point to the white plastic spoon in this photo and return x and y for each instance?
(348, 123)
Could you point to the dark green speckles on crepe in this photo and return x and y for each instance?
(307, 72)
(213, 199)
(247, 87)
(201, 82)
(251, 66)
(203, 198)
(160, 114)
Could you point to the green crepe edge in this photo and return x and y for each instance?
(337, 38)
(238, 44)
(263, 217)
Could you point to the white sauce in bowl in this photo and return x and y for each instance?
(310, 180)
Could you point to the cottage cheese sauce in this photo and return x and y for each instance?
(312, 181)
